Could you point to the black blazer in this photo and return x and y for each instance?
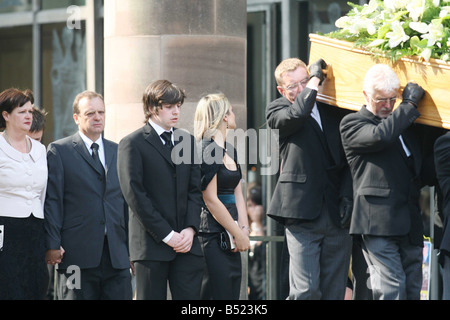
(313, 164)
(442, 160)
(163, 193)
(386, 184)
(80, 202)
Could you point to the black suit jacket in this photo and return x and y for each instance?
(386, 184)
(313, 164)
(80, 202)
(163, 194)
(442, 159)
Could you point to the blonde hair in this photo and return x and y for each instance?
(290, 64)
(211, 109)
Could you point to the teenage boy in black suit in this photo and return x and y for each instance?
(164, 196)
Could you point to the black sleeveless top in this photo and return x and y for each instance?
(227, 180)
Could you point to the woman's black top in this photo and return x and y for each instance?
(227, 181)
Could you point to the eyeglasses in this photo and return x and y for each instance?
(382, 102)
(295, 85)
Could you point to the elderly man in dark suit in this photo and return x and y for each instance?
(314, 187)
(387, 166)
(162, 188)
(86, 217)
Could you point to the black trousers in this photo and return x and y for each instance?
(222, 280)
(101, 283)
(183, 275)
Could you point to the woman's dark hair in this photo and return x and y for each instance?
(12, 98)
(161, 92)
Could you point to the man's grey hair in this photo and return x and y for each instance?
(381, 77)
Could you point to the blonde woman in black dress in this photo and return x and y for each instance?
(224, 207)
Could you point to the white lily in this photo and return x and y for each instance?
(416, 9)
(435, 33)
(366, 24)
(343, 22)
(425, 55)
(386, 21)
(370, 26)
(397, 35)
(445, 11)
(376, 43)
(369, 8)
(390, 5)
(394, 5)
(421, 27)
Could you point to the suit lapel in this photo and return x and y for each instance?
(80, 147)
(414, 149)
(153, 138)
(322, 135)
(181, 172)
(332, 141)
(109, 155)
(180, 169)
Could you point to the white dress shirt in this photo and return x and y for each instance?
(23, 180)
(408, 153)
(315, 111)
(88, 142)
(159, 130)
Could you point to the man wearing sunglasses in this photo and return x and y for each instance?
(387, 166)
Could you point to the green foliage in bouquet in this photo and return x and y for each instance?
(399, 28)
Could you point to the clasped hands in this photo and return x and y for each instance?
(242, 242)
(182, 241)
(54, 256)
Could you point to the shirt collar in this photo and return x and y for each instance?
(88, 142)
(159, 130)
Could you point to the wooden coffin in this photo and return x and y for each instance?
(344, 84)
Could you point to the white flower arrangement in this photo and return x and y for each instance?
(398, 28)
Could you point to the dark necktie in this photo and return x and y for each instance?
(96, 157)
(167, 137)
(99, 165)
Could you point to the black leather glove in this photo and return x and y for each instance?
(345, 211)
(315, 70)
(413, 93)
